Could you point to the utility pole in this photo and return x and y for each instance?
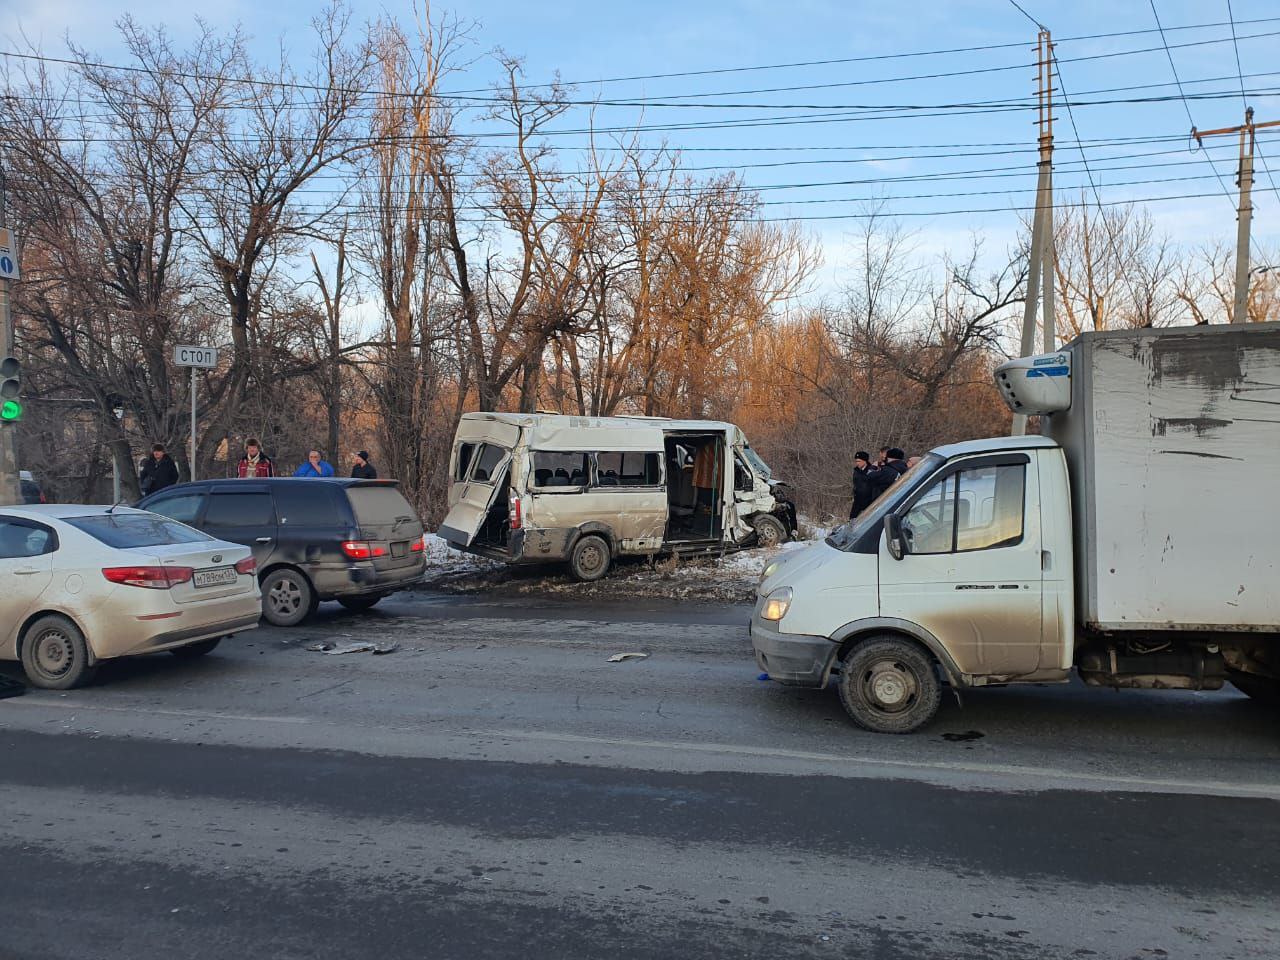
(1040, 269)
(10, 488)
(1244, 212)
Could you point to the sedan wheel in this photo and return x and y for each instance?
(55, 655)
(287, 598)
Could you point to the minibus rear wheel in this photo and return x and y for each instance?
(890, 684)
(590, 558)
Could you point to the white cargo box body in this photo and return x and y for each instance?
(1173, 443)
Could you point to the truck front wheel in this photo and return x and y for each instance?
(890, 685)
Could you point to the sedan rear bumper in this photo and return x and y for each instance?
(128, 633)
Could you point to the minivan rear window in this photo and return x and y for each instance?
(127, 530)
(379, 506)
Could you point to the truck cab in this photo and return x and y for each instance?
(956, 564)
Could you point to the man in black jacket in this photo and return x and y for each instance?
(363, 467)
(862, 488)
(895, 465)
(158, 471)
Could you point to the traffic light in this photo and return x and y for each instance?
(10, 389)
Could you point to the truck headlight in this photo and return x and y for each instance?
(777, 604)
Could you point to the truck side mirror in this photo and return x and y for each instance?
(893, 536)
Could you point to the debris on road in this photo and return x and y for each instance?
(619, 657)
(360, 646)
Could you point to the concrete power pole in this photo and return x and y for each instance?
(10, 488)
(1244, 212)
(1040, 269)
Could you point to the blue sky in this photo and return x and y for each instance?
(584, 41)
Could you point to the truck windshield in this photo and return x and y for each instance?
(758, 465)
(847, 535)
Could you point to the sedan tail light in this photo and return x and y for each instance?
(247, 565)
(363, 549)
(153, 578)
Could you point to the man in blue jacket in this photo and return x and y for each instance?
(314, 467)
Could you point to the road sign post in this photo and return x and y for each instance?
(197, 358)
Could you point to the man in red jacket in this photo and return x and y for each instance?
(255, 464)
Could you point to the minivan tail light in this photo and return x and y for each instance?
(153, 578)
(247, 565)
(516, 513)
(363, 549)
(417, 546)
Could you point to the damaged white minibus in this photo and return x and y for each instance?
(536, 488)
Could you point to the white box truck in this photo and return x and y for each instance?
(1136, 542)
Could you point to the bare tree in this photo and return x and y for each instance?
(278, 134)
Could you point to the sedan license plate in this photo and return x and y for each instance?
(216, 577)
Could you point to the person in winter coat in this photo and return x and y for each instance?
(895, 465)
(314, 467)
(862, 488)
(363, 468)
(158, 471)
(255, 463)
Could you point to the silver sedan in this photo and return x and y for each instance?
(83, 584)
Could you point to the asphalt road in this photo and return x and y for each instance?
(496, 788)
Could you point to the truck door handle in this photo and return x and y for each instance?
(26, 571)
(263, 540)
(1046, 560)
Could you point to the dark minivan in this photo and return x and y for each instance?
(353, 541)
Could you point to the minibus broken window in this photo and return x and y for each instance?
(629, 469)
(555, 469)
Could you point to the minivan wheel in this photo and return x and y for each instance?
(55, 655)
(193, 650)
(769, 530)
(287, 598)
(890, 685)
(590, 558)
(361, 603)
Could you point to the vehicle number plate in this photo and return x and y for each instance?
(400, 549)
(215, 577)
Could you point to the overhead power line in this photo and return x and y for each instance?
(641, 101)
(1185, 106)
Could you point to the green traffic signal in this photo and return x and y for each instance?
(10, 411)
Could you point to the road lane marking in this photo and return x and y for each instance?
(1265, 790)
(188, 714)
(1044, 773)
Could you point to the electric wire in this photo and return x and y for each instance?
(1185, 105)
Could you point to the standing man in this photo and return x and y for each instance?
(363, 468)
(894, 467)
(255, 464)
(863, 493)
(158, 471)
(314, 467)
